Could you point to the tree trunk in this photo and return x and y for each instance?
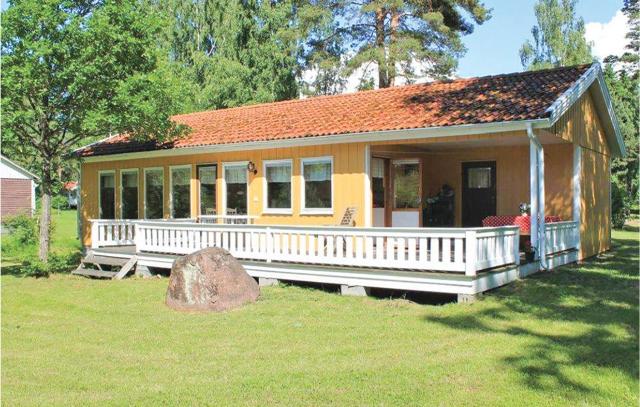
(45, 216)
(391, 60)
(383, 76)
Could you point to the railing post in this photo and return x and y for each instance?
(95, 234)
(516, 247)
(471, 252)
(269, 244)
(138, 237)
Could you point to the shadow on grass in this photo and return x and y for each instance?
(601, 293)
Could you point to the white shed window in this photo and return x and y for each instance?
(207, 175)
(236, 193)
(181, 192)
(278, 186)
(317, 188)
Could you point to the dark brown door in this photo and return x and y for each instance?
(478, 192)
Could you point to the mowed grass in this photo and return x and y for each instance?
(567, 337)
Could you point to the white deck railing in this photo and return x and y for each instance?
(110, 232)
(464, 250)
(561, 236)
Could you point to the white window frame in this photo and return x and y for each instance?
(100, 174)
(315, 211)
(265, 199)
(223, 211)
(129, 171)
(144, 193)
(198, 166)
(177, 167)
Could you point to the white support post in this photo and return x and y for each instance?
(368, 199)
(533, 192)
(471, 251)
(577, 192)
(541, 206)
(95, 234)
(516, 247)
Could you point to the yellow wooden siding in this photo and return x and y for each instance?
(581, 125)
(512, 177)
(348, 182)
(595, 228)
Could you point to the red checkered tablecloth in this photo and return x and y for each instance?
(524, 221)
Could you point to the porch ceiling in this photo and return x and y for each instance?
(455, 143)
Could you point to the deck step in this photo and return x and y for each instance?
(81, 271)
(104, 260)
(126, 268)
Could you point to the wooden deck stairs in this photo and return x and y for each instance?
(91, 266)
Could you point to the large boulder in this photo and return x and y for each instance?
(210, 279)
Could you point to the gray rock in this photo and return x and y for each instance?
(210, 279)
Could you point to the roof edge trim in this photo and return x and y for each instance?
(386, 135)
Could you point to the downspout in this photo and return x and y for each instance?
(539, 195)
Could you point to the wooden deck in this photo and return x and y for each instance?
(466, 287)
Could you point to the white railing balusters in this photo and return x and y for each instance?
(560, 236)
(464, 250)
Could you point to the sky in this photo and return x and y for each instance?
(494, 46)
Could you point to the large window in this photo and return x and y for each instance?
(317, 194)
(107, 194)
(235, 177)
(406, 182)
(153, 193)
(377, 182)
(181, 192)
(129, 194)
(278, 186)
(207, 175)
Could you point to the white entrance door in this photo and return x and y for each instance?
(407, 193)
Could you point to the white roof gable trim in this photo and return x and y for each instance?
(9, 169)
(602, 99)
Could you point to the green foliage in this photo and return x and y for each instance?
(558, 38)
(392, 35)
(60, 202)
(229, 53)
(23, 228)
(35, 268)
(620, 204)
(57, 263)
(74, 71)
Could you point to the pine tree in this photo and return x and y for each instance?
(395, 35)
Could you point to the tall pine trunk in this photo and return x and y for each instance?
(383, 75)
(391, 60)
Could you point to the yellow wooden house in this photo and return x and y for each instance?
(433, 187)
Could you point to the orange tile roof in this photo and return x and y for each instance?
(500, 98)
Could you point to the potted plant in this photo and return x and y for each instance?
(529, 251)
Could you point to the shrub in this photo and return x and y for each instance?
(35, 268)
(23, 228)
(59, 202)
(620, 204)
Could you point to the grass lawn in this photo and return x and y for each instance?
(567, 337)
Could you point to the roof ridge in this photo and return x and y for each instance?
(382, 90)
